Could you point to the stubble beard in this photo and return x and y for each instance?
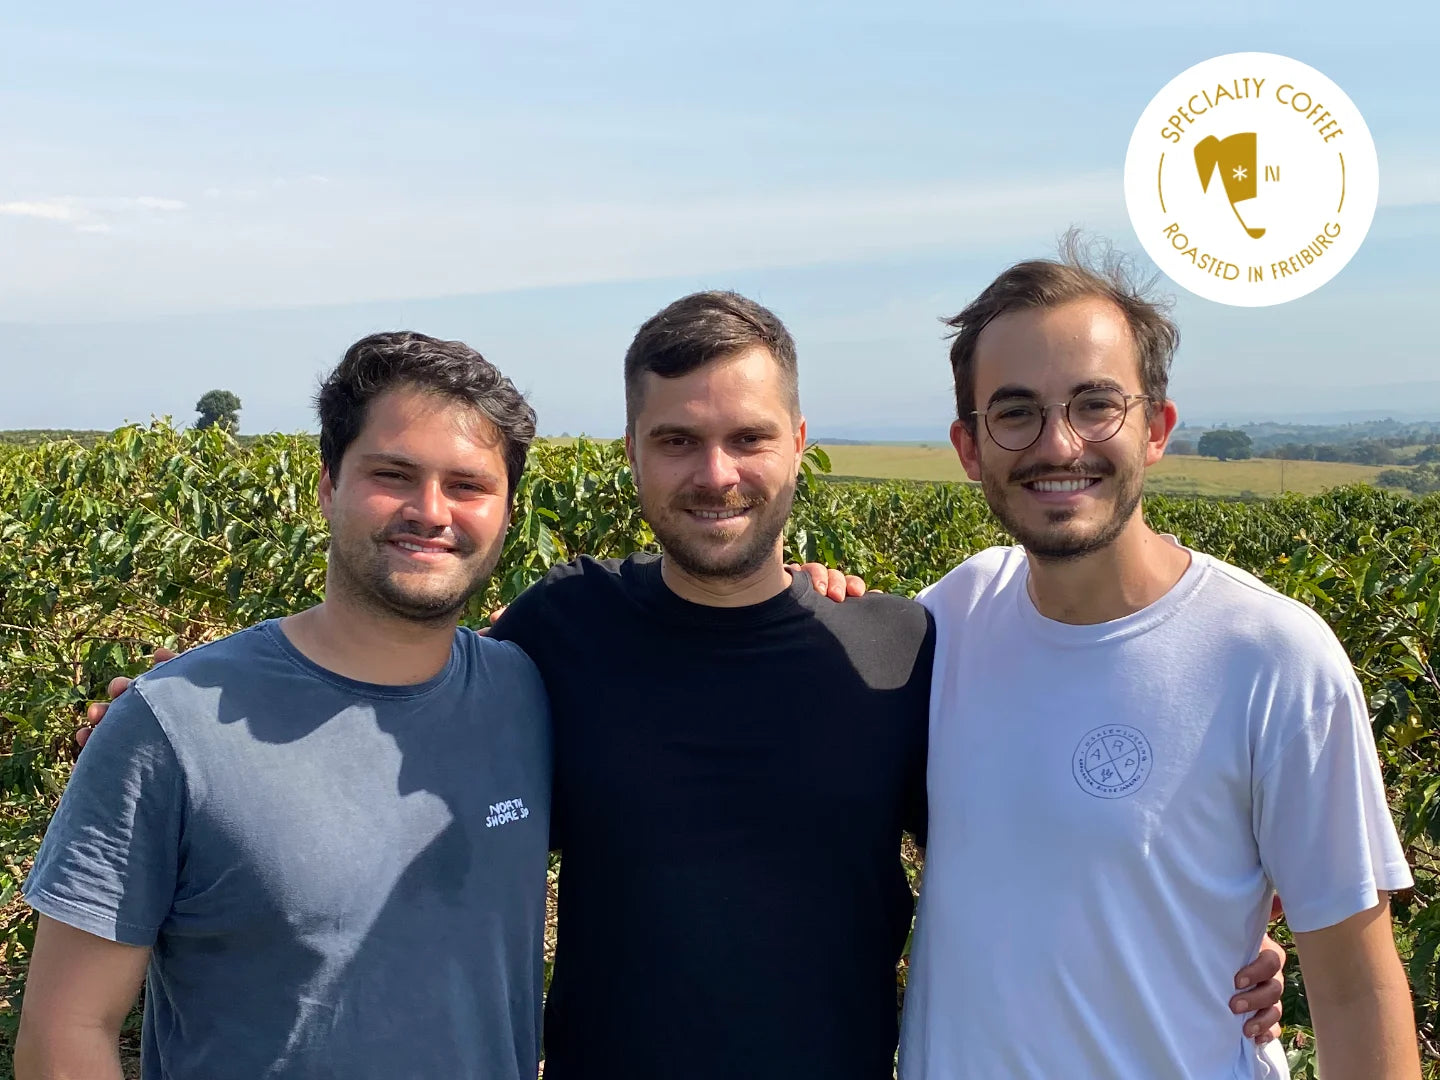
(359, 571)
(695, 557)
(1058, 544)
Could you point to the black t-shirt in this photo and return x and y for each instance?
(730, 789)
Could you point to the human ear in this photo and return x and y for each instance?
(967, 445)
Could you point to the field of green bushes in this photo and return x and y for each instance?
(154, 536)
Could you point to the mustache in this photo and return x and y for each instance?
(701, 500)
(1077, 470)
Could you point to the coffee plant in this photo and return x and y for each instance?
(157, 536)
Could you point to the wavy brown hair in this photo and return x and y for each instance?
(1084, 271)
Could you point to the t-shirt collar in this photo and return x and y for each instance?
(1080, 634)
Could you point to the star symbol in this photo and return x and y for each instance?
(1240, 172)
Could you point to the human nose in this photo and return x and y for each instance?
(428, 506)
(1057, 439)
(717, 469)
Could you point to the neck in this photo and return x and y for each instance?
(354, 641)
(769, 580)
(1131, 573)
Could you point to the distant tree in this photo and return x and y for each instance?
(1327, 453)
(1225, 444)
(1371, 453)
(1180, 446)
(218, 407)
(1421, 480)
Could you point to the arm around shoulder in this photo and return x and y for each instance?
(78, 991)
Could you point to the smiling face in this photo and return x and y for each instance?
(715, 455)
(1062, 497)
(419, 510)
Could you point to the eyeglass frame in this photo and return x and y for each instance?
(1045, 413)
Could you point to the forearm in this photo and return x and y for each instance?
(75, 1053)
(1369, 1035)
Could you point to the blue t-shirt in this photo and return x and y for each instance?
(336, 879)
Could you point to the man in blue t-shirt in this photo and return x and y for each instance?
(286, 832)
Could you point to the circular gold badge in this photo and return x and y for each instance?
(1251, 179)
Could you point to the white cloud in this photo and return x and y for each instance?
(91, 214)
(258, 190)
(53, 210)
(339, 243)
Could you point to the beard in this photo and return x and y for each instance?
(360, 568)
(724, 554)
(1057, 542)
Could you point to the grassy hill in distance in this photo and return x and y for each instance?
(1179, 475)
(36, 436)
(934, 460)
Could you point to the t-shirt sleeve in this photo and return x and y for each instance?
(1326, 837)
(109, 863)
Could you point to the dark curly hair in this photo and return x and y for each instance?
(404, 358)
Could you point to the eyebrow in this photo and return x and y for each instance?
(484, 475)
(1016, 391)
(661, 431)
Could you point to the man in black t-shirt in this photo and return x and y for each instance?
(730, 788)
(735, 754)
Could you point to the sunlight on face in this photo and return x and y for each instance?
(715, 455)
(1062, 497)
(419, 511)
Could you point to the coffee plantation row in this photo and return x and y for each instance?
(157, 536)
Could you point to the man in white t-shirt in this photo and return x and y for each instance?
(1132, 745)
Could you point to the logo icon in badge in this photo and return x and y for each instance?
(1113, 761)
(1234, 158)
(1283, 186)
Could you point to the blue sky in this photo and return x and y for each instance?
(226, 197)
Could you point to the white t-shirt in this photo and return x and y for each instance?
(1110, 806)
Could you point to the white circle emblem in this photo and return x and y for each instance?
(1251, 179)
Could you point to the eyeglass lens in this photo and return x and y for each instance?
(1095, 415)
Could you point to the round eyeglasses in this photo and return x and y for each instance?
(1015, 423)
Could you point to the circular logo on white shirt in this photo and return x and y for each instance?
(1251, 179)
(1113, 761)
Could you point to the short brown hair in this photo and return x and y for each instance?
(1046, 283)
(699, 329)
